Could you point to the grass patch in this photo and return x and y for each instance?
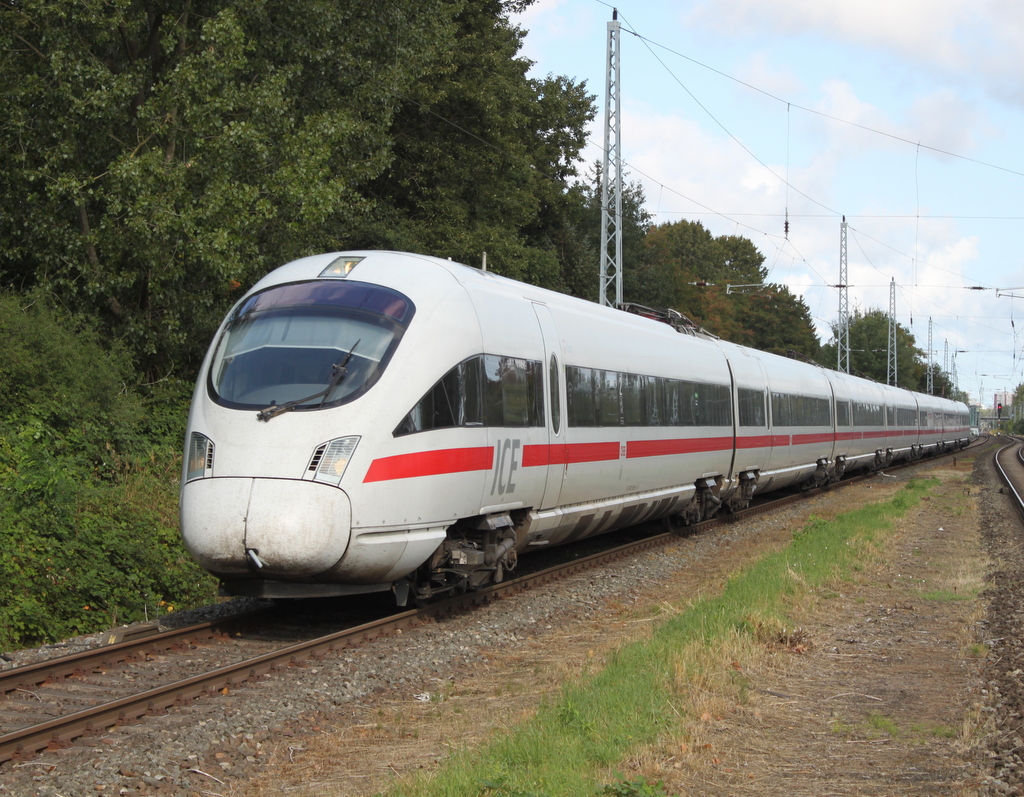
(934, 731)
(576, 739)
(882, 723)
(877, 725)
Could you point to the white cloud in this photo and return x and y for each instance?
(963, 39)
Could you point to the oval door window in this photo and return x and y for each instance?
(556, 410)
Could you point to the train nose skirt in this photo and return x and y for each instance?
(292, 528)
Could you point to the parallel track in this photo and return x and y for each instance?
(1009, 462)
(62, 730)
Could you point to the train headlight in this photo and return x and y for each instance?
(330, 459)
(200, 457)
(340, 267)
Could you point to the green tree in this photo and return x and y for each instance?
(691, 270)
(160, 155)
(482, 156)
(163, 153)
(869, 351)
(683, 256)
(1016, 410)
(774, 319)
(581, 258)
(87, 490)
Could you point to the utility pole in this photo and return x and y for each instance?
(843, 342)
(890, 378)
(931, 361)
(945, 356)
(611, 185)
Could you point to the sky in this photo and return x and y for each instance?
(904, 116)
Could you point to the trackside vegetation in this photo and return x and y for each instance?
(577, 739)
(89, 468)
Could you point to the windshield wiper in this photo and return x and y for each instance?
(338, 372)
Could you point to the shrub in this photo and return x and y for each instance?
(89, 469)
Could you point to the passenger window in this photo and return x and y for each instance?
(632, 400)
(606, 396)
(580, 396)
(513, 391)
(654, 401)
(483, 390)
(751, 407)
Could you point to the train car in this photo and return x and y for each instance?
(368, 421)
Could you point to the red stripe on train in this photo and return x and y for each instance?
(664, 448)
(819, 437)
(573, 453)
(464, 460)
(430, 463)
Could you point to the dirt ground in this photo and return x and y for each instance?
(902, 681)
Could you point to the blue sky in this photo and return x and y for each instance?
(906, 116)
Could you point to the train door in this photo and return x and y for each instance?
(554, 401)
(753, 441)
(780, 455)
(735, 420)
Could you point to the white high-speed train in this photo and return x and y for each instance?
(372, 420)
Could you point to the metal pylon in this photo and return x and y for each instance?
(890, 378)
(843, 338)
(931, 361)
(611, 186)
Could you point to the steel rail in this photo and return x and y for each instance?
(126, 644)
(61, 731)
(1005, 476)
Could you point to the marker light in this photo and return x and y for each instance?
(200, 457)
(340, 267)
(330, 459)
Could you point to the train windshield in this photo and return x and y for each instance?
(287, 343)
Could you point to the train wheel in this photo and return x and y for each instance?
(675, 524)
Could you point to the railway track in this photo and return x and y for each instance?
(143, 672)
(1009, 462)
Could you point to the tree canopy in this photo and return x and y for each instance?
(483, 156)
(162, 154)
(869, 355)
(691, 270)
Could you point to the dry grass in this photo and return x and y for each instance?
(873, 693)
(793, 710)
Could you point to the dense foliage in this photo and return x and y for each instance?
(690, 269)
(1012, 417)
(161, 154)
(869, 355)
(88, 529)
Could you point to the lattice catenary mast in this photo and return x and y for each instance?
(931, 361)
(611, 185)
(890, 378)
(843, 336)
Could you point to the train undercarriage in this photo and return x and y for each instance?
(484, 550)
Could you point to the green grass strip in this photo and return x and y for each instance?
(594, 724)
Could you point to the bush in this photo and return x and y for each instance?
(89, 471)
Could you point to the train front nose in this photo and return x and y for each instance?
(276, 528)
